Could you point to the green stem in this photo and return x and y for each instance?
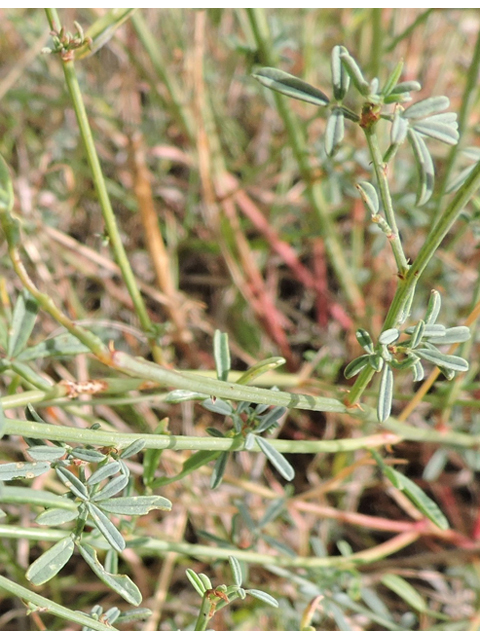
(52, 607)
(102, 193)
(323, 223)
(203, 614)
(154, 546)
(196, 443)
(380, 174)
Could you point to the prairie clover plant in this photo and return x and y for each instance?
(424, 119)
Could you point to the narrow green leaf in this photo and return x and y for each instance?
(426, 107)
(407, 86)
(61, 346)
(418, 371)
(236, 570)
(88, 455)
(369, 196)
(133, 449)
(23, 321)
(135, 505)
(433, 308)
(217, 405)
(72, 483)
(430, 330)
(57, 516)
(182, 395)
(364, 340)
(264, 597)
(439, 131)
(260, 368)
(393, 79)
(454, 363)
(385, 394)
(197, 460)
(388, 336)
(425, 167)
(219, 470)
(103, 473)
(420, 499)
(109, 531)
(453, 335)
(269, 419)
(196, 582)
(134, 615)
(27, 470)
(355, 366)
(334, 131)
(290, 86)
(405, 591)
(44, 453)
(417, 334)
(119, 583)
(354, 72)
(340, 78)
(115, 485)
(280, 463)
(49, 563)
(221, 354)
(205, 580)
(376, 362)
(399, 130)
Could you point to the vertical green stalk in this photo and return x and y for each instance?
(323, 222)
(376, 51)
(102, 193)
(379, 168)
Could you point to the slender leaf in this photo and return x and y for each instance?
(385, 395)
(260, 368)
(49, 563)
(221, 354)
(219, 406)
(280, 463)
(388, 336)
(119, 583)
(115, 485)
(109, 531)
(23, 321)
(334, 131)
(354, 72)
(399, 130)
(135, 505)
(56, 516)
(219, 470)
(417, 334)
(197, 460)
(44, 453)
(433, 308)
(264, 597)
(269, 419)
(104, 472)
(196, 582)
(369, 196)
(290, 86)
(425, 167)
(454, 363)
(364, 340)
(405, 591)
(425, 504)
(71, 481)
(355, 366)
(133, 449)
(340, 78)
(88, 455)
(426, 107)
(236, 570)
(61, 346)
(393, 79)
(27, 470)
(444, 132)
(407, 86)
(453, 335)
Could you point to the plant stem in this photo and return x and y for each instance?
(380, 174)
(102, 193)
(203, 614)
(197, 443)
(323, 223)
(52, 607)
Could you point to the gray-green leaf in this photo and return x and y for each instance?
(109, 531)
(290, 86)
(135, 505)
(49, 563)
(280, 463)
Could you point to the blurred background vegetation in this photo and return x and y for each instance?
(219, 231)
